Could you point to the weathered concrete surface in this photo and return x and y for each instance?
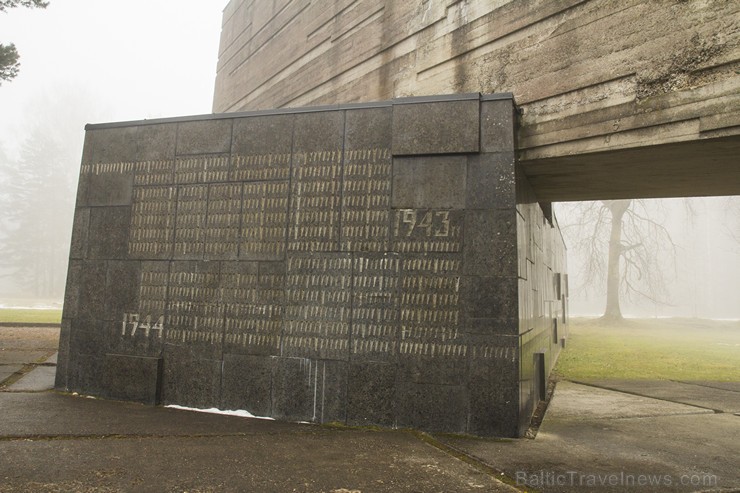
(619, 98)
(733, 386)
(52, 442)
(574, 401)
(22, 349)
(727, 401)
(6, 370)
(591, 435)
(37, 380)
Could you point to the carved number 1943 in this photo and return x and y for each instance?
(429, 223)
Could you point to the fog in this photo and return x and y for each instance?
(698, 259)
(87, 61)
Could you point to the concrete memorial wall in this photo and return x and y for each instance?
(370, 264)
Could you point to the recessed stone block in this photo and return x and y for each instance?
(132, 378)
(489, 297)
(497, 125)
(368, 128)
(371, 393)
(432, 407)
(494, 398)
(112, 186)
(91, 301)
(491, 181)
(122, 288)
(429, 182)
(322, 131)
(204, 137)
(294, 380)
(247, 384)
(263, 135)
(109, 229)
(436, 127)
(80, 229)
(156, 142)
(189, 381)
(490, 243)
(85, 374)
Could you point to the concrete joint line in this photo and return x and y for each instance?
(469, 459)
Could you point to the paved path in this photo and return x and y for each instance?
(600, 437)
(601, 440)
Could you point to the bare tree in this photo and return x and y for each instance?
(626, 247)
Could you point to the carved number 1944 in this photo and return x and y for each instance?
(134, 321)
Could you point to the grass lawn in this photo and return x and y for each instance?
(30, 316)
(655, 349)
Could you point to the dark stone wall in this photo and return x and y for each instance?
(359, 264)
(543, 296)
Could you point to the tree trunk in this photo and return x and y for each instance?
(613, 312)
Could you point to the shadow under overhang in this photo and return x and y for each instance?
(704, 167)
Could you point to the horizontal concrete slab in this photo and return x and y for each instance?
(39, 379)
(162, 449)
(585, 444)
(732, 386)
(686, 393)
(7, 370)
(21, 357)
(575, 401)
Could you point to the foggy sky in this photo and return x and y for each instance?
(117, 60)
(136, 58)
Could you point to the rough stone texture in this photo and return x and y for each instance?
(429, 182)
(426, 128)
(348, 265)
(133, 378)
(617, 99)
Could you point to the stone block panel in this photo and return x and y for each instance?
(189, 380)
(436, 127)
(247, 383)
(429, 182)
(497, 125)
(491, 181)
(371, 397)
(204, 137)
(132, 378)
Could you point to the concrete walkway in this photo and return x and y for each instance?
(601, 440)
(604, 436)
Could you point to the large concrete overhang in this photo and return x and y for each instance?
(618, 99)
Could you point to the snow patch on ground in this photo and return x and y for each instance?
(239, 412)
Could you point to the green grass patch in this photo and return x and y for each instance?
(30, 316)
(660, 349)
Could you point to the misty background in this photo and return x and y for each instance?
(89, 61)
